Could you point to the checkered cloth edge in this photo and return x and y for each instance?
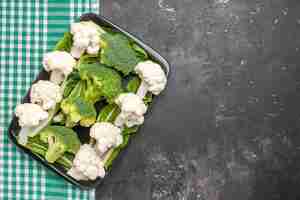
(29, 28)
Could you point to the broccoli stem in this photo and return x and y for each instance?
(65, 162)
(40, 151)
(54, 151)
(110, 156)
(101, 30)
(142, 90)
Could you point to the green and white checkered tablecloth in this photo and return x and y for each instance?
(29, 28)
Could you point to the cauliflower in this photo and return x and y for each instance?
(75, 173)
(87, 164)
(61, 63)
(107, 136)
(46, 94)
(30, 114)
(56, 77)
(86, 37)
(132, 110)
(153, 78)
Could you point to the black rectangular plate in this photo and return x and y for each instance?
(43, 75)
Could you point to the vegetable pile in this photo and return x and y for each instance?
(99, 79)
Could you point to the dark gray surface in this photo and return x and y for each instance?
(227, 127)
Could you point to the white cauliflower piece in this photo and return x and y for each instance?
(30, 114)
(107, 136)
(132, 110)
(61, 63)
(88, 163)
(56, 77)
(45, 94)
(153, 78)
(75, 173)
(86, 37)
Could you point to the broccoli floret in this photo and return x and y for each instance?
(117, 51)
(101, 82)
(77, 109)
(60, 140)
(39, 148)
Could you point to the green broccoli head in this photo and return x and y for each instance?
(78, 110)
(101, 82)
(119, 52)
(60, 140)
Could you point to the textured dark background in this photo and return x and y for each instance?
(227, 127)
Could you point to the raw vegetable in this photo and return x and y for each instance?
(117, 52)
(132, 110)
(88, 59)
(77, 109)
(65, 43)
(70, 82)
(87, 163)
(86, 38)
(107, 136)
(39, 148)
(60, 140)
(101, 82)
(133, 86)
(46, 94)
(153, 78)
(108, 113)
(31, 131)
(60, 64)
(141, 52)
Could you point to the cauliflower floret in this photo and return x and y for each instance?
(45, 94)
(86, 37)
(88, 163)
(56, 77)
(132, 110)
(107, 136)
(75, 173)
(153, 78)
(30, 114)
(61, 63)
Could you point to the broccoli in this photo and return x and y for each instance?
(69, 83)
(88, 59)
(101, 81)
(77, 109)
(39, 148)
(140, 51)
(108, 113)
(60, 140)
(65, 43)
(117, 52)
